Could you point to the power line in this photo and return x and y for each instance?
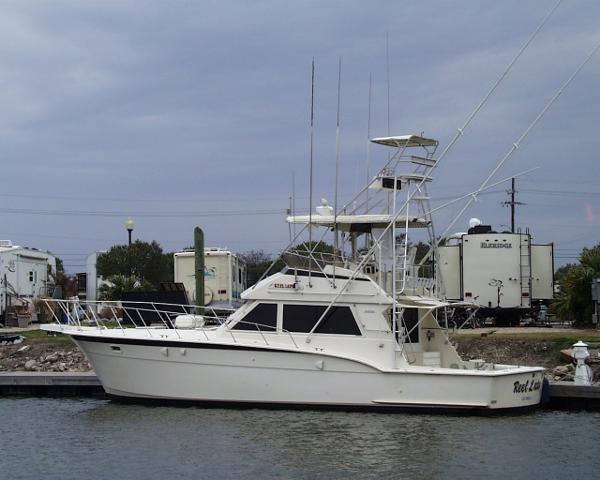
(97, 213)
(560, 192)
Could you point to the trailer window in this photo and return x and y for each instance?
(262, 317)
(302, 318)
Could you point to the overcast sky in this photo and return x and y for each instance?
(174, 112)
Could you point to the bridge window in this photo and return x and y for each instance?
(302, 318)
(263, 316)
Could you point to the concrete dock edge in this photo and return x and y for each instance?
(50, 384)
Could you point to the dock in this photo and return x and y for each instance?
(51, 384)
(568, 396)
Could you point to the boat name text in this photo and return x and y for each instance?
(284, 285)
(528, 386)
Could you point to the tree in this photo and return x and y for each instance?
(117, 284)
(65, 285)
(574, 301)
(142, 261)
(257, 262)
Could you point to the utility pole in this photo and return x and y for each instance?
(513, 203)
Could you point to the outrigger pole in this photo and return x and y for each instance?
(524, 135)
(310, 207)
(337, 168)
(460, 132)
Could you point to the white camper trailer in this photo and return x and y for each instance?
(25, 273)
(498, 272)
(224, 276)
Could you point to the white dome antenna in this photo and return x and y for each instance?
(474, 222)
(324, 208)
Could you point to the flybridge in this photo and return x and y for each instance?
(403, 141)
(350, 223)
(391, 203)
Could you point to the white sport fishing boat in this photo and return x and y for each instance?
(358, 329)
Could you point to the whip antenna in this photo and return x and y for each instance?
(310, 207)
(337, 168)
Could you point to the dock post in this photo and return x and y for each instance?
(583, 374)
(199, 269)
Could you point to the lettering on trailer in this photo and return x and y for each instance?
(495, 245)
(528, 386)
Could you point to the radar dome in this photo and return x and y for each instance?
(474, 222)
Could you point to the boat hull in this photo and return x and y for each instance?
(253, 375)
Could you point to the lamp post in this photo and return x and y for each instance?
(129, 227)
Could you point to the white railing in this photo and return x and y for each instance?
(420, 285)
(128, 314)
(149, 316)
(306, 260)
(261, 329)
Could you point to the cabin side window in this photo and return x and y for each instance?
(262, 317)
(302, 318)
(410, 321)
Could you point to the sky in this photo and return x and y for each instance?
(187, 113)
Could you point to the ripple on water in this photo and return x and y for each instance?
(97, 439)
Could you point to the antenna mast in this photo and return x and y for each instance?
(337, 168)
(368, 154)
(387, 71)
(312, 103)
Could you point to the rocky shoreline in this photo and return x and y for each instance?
(525, 352)
(42, 357)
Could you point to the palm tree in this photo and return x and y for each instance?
(117, 284)
(575, 299)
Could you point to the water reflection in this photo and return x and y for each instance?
(99, 439)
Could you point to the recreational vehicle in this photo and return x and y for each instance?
(224, 276)
(504, 274)
(25, 273)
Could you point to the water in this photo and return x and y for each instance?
(97, 439)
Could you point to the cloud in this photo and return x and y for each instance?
(196, 105)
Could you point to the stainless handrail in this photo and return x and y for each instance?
(77, 312)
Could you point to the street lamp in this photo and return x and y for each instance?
(129, 227)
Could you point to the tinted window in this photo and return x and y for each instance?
(302, 318)
(410, 318)
(263, 316)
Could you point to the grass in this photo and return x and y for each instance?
(563, 342)
(40, 336)
(570, 335)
